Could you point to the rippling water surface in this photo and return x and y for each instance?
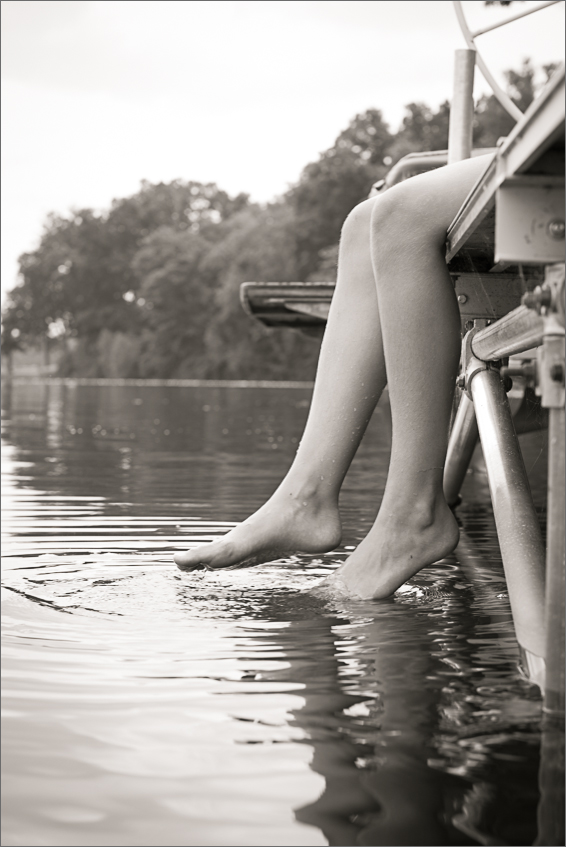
(145, 706)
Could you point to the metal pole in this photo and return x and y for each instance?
(462, 107)
(551, 385)
(555, 567)
(463, 440)
(516, 332)
(503, 98)
(464, 435)
(514, 17)
(551, 773)
(518, 529)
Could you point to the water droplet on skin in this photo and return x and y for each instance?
(304, 503)
(322, 477)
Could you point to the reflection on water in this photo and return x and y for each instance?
(145, 706)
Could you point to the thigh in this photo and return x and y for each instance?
(429, 202)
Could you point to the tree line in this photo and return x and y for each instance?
(150, 287)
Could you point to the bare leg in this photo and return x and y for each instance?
(302, 515)
(417, 304)
(421, 338)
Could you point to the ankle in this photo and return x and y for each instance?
(427, 511)
(420, 512)
(312, 491)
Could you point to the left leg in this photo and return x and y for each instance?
(302, 514)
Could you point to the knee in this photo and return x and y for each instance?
(390, 225)
(401, 221)
(394, 214)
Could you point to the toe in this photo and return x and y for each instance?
(187, 560)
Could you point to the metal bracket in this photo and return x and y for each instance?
(529, 219)
(488, 296)
(551, 365)
(470, 364)
(548, 300)
(550, 296)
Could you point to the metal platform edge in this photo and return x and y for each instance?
(541, 126)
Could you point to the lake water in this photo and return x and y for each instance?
(148, 707)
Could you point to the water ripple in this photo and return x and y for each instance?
(148, 706)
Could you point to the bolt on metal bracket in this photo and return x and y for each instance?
(551, 366)
(550, 296)
(548, 301)
(527, 370)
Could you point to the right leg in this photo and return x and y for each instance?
(302, 514)
(421, 338)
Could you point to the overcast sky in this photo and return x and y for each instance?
(100, 94)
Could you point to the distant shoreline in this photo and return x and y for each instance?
(127, 381)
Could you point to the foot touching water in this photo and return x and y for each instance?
(290, 522)
(397, 547)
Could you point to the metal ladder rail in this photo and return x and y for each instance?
(538, 610)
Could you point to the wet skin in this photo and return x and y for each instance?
(394, 319)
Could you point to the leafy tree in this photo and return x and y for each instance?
(422, 128)
(82, 275)
(368, 137)
(330, 187)
(259, 245)
(175, 297)
(327, 191)
(180, 206)
(11, 319)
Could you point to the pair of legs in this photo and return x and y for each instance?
(393, 319)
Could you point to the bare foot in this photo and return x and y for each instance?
(290, 522)
(396, 548)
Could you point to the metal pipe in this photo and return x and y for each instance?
(516, 332)
(551, 384)
(517, 525)
(555, 567)
(551, 773)
(463, 440)
(479, 573)
(462, 107)
(503, 98)
(515, 17)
